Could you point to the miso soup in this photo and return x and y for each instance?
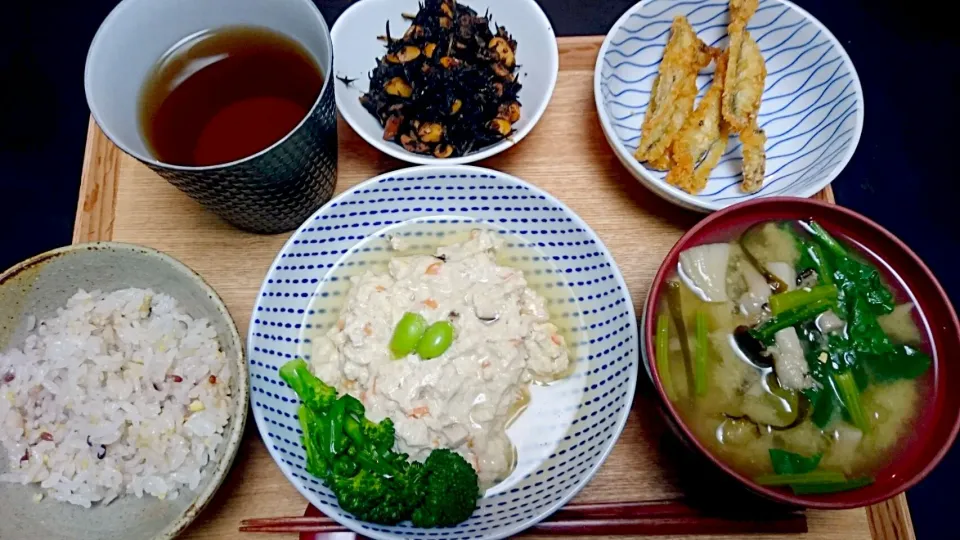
(792, 357)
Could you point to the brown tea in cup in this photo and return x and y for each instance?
(226, 94)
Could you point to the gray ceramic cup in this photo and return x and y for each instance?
(271, 191)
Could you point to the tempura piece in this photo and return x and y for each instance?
(702, 173)
(665, 161)
(746, 74)
(742, 10)
(754, 157)
(662, 163)
(674, 91)
(681, 110)
(743, 89)
(701, 136)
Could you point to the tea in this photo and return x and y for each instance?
(225, 94)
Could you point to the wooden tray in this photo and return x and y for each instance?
(567, 155)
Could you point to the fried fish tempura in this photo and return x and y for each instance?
(681, 110)
(743, 89)
(674, 92)
(665, 161)
(745, 78)
(754, 157)
(662, 163)
(702, 173)
(742, 10)
(701, 136)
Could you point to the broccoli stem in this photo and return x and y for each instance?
(297, 374)
(367, 455)
(766, 331)
(315, 463)
(323, 438)
(780, 303)
(351, 426)
(338, 441)
(311, 390)
(373, 463)
(353, 405)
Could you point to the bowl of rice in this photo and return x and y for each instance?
(123, 394)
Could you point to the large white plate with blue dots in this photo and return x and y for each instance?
(570, 426)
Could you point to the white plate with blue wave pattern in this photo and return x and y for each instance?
(570, 426)
(812, 106)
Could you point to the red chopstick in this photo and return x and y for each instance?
(646, 518)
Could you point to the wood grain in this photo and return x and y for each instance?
(98, 187)
(566, 154)
(890, 520)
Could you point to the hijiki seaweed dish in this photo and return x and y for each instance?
(448, 86)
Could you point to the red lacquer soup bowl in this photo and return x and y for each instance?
(939, 414)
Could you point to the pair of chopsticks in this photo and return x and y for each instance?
(669, 517)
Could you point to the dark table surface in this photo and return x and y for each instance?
(902, 174)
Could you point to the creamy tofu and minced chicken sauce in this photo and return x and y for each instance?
(464, 398)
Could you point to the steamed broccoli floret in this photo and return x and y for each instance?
(313, 392)
(380, 499)
(381, 435)
(365, 453)
(345, 466)
(451, 490)
(355, 458)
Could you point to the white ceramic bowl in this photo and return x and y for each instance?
(356, 50)
(570, 426)
(41, 285)
(812, 106)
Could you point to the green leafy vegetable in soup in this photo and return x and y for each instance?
(786, 352)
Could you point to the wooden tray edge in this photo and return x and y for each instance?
(98, 188)
(889, 520)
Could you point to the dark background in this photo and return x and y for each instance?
(902, 175)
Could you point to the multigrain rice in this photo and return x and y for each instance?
(119, 393)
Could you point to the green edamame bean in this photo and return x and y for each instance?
(407, 334)
(436, 340)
